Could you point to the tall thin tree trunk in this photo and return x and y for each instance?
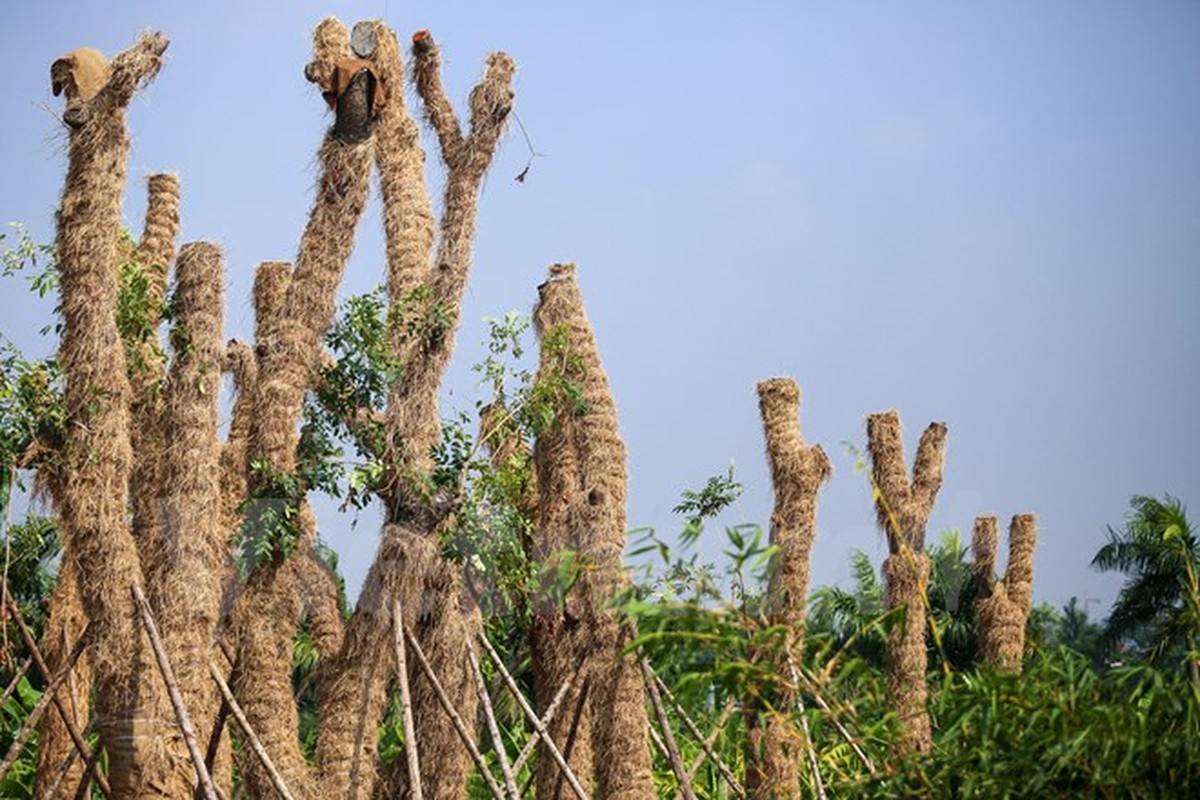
(594, 504)
(774, 743)
(903, 509)
(95, 491)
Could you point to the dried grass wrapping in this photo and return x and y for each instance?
(412, 413)
(64, 626)
(242, 366)
(264, 624)
(154, 252)
(1002, 609)
(400, 160)
(427, 77)
(906, 575)
(187, 592)
(589, 457)
(410, 565)
(286, 365)
(774, 745)
(903, 511)
(95, 488)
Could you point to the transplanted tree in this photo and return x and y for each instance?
(1159, 605)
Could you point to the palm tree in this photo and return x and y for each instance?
(1159, 604)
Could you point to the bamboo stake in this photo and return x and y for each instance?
(43, 703)
(532, 716)
(168, 676)
(808, 745)
(664, 722)
(831, 715)
(62, 773)
(705, 745)
(459, 725)
(67, 717)
(84, 790)
(410, 732)
(712, 738)
(510, 782)
(547, 717)
(236, 711)
(12, 686)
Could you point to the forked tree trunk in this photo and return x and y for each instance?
(774, 744)
(1003, 606)
(903, 509)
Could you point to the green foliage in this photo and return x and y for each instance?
(1059, 730)
(18, 783)
(1159, 605)
(270, 516)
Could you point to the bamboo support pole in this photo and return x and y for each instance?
(808, 737)
(459, 725)
(68, 718)
(532, 716)
(664, 722)
(236, 711)
(168, 676)
(510, 782)
(708, 743)
(43, 703)
(812, 688)
(406, 714)
(705, 745)
(12, 685)
(547, 716)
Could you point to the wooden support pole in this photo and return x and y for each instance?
(240, 718)
(705, 746)
(12, 685)
(168, 676)
(448, 707)
(547, 717)
(67, 717)
(812, 688)
(510, 782)
(532, 716)
(664, 723)
(708, 743)
(406, 714)
(43, 703)
(808, 744)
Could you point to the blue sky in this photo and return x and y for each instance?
(986, 214)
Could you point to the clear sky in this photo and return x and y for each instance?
(986, 214)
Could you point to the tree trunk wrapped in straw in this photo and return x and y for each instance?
(355, 700)
(774, 744)
(286, 364)
(903, 509)
(194, 544)
(589, 456)
(1002, 608)
(64, 626)
(95, 489)
(154, 254)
